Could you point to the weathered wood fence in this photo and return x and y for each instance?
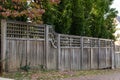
(117, 56)
(29, 44)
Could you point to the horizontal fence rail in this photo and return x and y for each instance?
(39, 45)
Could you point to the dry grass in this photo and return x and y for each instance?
(54, 75)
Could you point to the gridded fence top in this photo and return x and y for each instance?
(117, 49)
(25, 30)
(70, 41)
(85, 42)
(33, 31)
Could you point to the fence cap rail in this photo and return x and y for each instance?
(24, 23)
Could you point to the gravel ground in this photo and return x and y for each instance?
(111, 76)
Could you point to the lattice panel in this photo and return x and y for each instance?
(102, 43)
(117, 48)
(105, 43)
(94, 42)
(69, 41)
(86, 42)
(20, 30)
(108, 44)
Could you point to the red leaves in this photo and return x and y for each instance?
(55, 1)
(0, 8)
(18, 8)
(5, 14)
(41, 11)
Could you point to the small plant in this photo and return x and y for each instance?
(25, 68)
(42, 67)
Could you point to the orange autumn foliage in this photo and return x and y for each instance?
(17, 8)
(12, 9)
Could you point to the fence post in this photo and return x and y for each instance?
(46, 46)
(27, 53)
(115, 56)
(91, 57)
(82, 53)
(59, 57)
(112, 54)
(3, 43)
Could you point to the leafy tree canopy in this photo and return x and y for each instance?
(92, 18)
(20, 10)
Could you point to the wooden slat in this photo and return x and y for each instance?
(32, 43)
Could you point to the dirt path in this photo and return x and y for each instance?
(111, 76)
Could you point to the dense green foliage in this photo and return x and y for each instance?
(78, 20)
(102, 19)
(64, 20)
(58, 15)
(92, 18)
(50, 14)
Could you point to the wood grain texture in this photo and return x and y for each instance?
(37, 45)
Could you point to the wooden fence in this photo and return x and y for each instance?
(35, 45)
(117, 56)
(83, 53)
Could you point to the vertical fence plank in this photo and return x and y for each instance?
(99, 53)
(80, 64)
(81, 53)
(27, 48)
(112, 54)
(59, 53)
(91, 58)
(3, 42)
(47, 45)
(106, 54)
(116, 60)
